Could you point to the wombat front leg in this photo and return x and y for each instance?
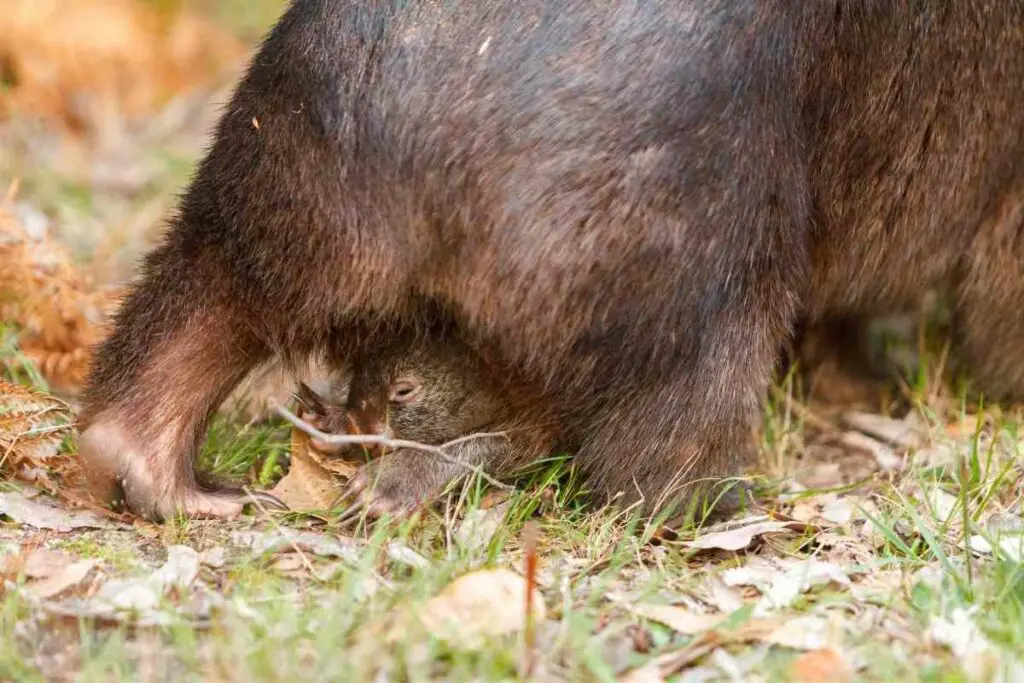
(180, 344)
(989, 321)
(401, 482)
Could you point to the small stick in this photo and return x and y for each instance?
(387, 442)
(529, 633)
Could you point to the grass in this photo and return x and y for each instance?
(319, 623)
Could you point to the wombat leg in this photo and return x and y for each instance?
(399, 483)
(989, 321)
(669, 447)
(180, 344)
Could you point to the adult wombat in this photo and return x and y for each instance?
(626, 205)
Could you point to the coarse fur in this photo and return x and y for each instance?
(627, 206)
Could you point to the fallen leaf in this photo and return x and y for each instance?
(478, 527)
(215, 557)
(180, 569)
(1011, 547)
(942, 504)
(806, 633)
(898, 433)
(821, 666)
(739, 538)
(47, 515)
(980, 659)
(70, 576)
(780, 587)
(677, 618)
(838, 511)
(883, 455)
(144, 594)
(476, 606)
(40, 563)
(403, 554)
(307, 485)
(289, 540)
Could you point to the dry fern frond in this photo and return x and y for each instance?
(57, 312)
(32, 426)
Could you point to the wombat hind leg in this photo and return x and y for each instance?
(172, 359)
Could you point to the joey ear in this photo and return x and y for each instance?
(309, 400)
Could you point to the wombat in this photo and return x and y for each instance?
(625, 206)
(432, 391)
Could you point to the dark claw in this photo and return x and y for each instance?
(268, 500)
(353, 513)
(351, 490)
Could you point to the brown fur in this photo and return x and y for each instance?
(625, 205)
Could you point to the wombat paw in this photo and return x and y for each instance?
(150, 487)
(385, 488)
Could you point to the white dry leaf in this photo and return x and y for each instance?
(780, 588)
(41, 513)
(479, 526)
(66, 578)
(877, 584)
(838, 511)
(677, 618)
(883, 455)
(937, 455)
(900, 433)
(178, 572)
(127, 594)
(403, 554)
(1011, 546)
(979, 658)
(180, 569)
(215, 557)
(1004, 523)
(473, 608)
(288, 540)
(739, 538)
(808, 633)
(941, 504)
(721, 596)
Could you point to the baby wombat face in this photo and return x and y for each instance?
(429, 391)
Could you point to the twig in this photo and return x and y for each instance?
(387, 442)
(529, 631)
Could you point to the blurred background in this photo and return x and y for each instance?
(105, 108)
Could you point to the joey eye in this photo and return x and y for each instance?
(404, 391)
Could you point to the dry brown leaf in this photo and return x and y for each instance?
(476, 606)
(43, 563)
(308, 485)
(821, 666)
(42, 513)
(678, 618)
(67, 578)
(897, 433)
(741, 537)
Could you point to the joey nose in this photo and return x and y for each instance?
(367, 414)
